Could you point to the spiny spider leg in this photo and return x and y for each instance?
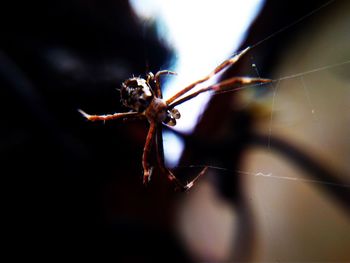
(190, 184)
(114, 116)
(158, 90)
(161, 164)
(147, 170)
(230, 84)
(219, 68)
(160, 156)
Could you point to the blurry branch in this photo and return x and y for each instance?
(317, 170)
(331, 180)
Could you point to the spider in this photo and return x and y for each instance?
(144, 98)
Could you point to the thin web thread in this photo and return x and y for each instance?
(268, 175)
(307, 94)
(294, 23)
(271, 116)
(287, 77)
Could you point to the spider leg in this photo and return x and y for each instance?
(158, 90)
(231, 84)
(165, 170)
(218, 69)
(147, 170)
(107, 117)
(160, 158)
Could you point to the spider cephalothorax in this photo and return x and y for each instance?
(136, 93)
(144, 97)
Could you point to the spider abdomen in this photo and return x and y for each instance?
(136, 94)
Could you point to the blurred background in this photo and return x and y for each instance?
(277, 189)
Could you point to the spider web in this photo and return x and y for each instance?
(308, 105)
(306, 90)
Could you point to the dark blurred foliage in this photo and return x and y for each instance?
(73, 187)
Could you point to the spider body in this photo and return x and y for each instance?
(144, 98)
(136, 94)
(157, 110)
